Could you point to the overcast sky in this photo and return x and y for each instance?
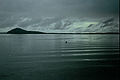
(59, 7)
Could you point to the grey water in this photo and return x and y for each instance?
(59, 56)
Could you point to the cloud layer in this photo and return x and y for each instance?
(59, 7)
(12, 11)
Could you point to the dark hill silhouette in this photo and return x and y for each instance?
(22, 31)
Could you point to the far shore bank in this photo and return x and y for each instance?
(58, 33)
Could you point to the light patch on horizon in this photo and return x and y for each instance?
(83, 24)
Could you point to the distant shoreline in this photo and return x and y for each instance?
(22, 31)
(58, 33)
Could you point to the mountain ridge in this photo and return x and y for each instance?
(22, 31)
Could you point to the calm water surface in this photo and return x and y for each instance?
(49, 57)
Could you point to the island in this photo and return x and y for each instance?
(22, 31)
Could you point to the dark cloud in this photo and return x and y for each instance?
(59, 7)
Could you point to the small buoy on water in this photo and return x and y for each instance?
(65, 41)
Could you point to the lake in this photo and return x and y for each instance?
(59, 56)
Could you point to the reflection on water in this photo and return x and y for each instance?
(49, 57)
